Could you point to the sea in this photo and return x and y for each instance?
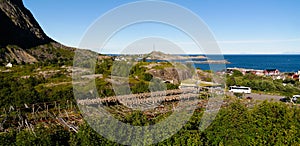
(284, 63)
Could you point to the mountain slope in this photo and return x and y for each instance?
(18, 26)
(23, 40)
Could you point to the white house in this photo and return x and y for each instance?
(8, 65)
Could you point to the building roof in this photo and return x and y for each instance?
(271, 69)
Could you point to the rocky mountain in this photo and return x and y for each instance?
(19, 27)
(23, 40)
(175, 75)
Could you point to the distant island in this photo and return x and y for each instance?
(157, 56)
(210, 62)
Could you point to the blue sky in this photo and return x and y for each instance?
(239, 26)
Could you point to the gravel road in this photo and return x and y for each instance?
(256, 96)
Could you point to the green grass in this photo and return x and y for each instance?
(162, 65)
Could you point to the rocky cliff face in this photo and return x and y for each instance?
(172, 74)
(18, 26)
(16, 54)
(23, 40)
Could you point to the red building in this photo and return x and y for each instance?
(271, 72)
(295, 77)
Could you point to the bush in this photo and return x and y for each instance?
(147, 77)
(140, 87)
(171, 86)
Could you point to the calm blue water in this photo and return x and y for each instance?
(285, 63)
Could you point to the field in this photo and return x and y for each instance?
(38, 108)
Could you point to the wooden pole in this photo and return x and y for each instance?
(58, 109)
(47, 110)
(32, 108)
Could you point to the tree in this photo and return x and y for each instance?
(237, 73)
(230, 81)
(148, 76)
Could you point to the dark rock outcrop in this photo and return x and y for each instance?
(18, 26)
(175, 75)
(23, 40)
(16, 54)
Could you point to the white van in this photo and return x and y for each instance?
(240, 89)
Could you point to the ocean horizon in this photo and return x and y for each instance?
(282, 62)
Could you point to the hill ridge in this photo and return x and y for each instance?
(23, 40)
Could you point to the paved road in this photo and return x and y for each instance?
(265, 97)
(256, 96)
